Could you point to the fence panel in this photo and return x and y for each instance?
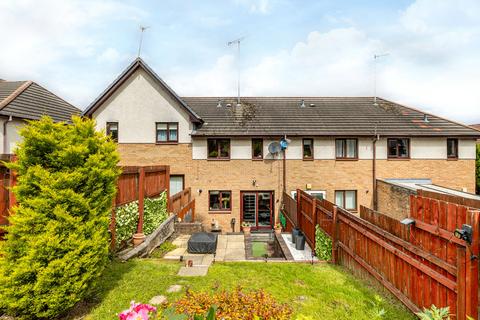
(306, 216)
(422, 264)
(183, 205)
(290, 210)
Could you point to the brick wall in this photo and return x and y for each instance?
(393, 200)
(328, 175)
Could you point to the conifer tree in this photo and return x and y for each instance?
(57, 243)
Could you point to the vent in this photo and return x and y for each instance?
(302, 104)
(425, 118)
(312, 105)
(219, 105)
(229, 105)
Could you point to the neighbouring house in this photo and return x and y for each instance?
(222, 149)
(27, 100)
(393, 195)
(21, 101)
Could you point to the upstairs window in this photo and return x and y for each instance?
(398, 148)
(452, 148)
(307, 149)
(346, 149)
(219, 200)
(112, 130)
(257, 149)
(218, 148)
(166, 132)
(346, 199)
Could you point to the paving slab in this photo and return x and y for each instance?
(235, 245)
(174, 288)
(235, 238)
(175, 254)
(197, 271)
(158, 300)
(298, 255)
(196, 258)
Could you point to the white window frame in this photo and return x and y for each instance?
(310, 192)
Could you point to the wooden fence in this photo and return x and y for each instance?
(422, 264)
(135, 184)
(7, 198)
(289, 210)
(183, 205)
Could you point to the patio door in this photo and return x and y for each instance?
(257, 209)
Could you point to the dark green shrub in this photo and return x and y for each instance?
(58, 242)
(323, 244)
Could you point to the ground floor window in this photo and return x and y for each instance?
(177, 183)
(219, 200)
(346, 199)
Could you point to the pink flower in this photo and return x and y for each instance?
(137, 311)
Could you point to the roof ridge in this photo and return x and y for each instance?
(15, 94)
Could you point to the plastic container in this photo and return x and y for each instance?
(300, 242)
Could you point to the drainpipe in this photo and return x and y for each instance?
(374, 170)
(5, 140)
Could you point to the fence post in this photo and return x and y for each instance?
(461, 282)
(473, 219)
(167, 186)
(314, 220)
(141, 196)
(335, 235)
(299, 210)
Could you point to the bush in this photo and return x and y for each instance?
(126, 221)
(323, 244)
(57, 245)
(237, 304)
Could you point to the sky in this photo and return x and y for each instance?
(77, 48)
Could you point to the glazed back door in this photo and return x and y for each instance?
(257, 209)
(249, 208)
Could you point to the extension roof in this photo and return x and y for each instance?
(28, 100)
(321, 116)
(136, 64)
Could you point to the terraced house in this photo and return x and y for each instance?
(227, 150)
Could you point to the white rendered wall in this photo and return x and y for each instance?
(137, 105)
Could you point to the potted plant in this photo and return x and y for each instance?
(278, 228)
(246, 227)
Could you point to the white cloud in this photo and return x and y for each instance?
(38, 37)
(433, 63)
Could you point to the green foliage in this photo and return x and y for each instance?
(478, 169)
(126, 220)
(434, 313)
(377, 311)
(169, 314)
(323, 244)
(57, 245)
(165, 247)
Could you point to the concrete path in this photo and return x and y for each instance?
(229, 248)
(298, 255)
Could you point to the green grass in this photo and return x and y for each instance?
(320, 291)
(259, 249)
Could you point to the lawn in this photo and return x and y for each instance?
(320, 291)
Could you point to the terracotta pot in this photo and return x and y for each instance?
(246, 230)
(138, 238)
(278, 230)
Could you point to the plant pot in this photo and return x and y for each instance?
(138, 238)
(246, 230)
(278, 230)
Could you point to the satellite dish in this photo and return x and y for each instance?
(274, 147)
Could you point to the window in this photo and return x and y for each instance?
(307, 149)
(219, 200)
(320, 195)
(112, 130)
(398, 148)
(452, 148)
(177, 183)
(166, 132)
(346, 149)
(257, 149)
(346, 199)
(218, 148)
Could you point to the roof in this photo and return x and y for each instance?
(475, 126)
(427, 185)
(321, 116)
(28, 100)
(136, 64)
